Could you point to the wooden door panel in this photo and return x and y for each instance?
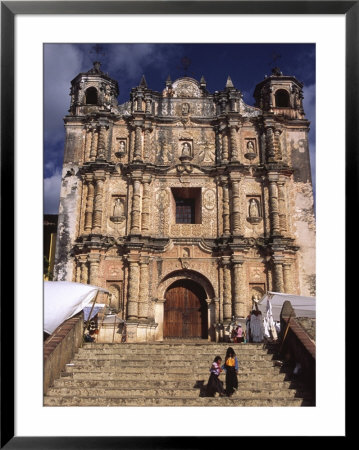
(184, 314)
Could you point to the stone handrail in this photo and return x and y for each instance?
(60, 347)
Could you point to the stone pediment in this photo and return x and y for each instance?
(186, 88)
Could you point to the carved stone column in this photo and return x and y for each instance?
(144, 291)
(270, 144)
(145, 226)
(225, 152)
(239, 287)
(273, 206)
(136, 207)
(137, 155)
(133, 290)
(148, 106)
(234, 146)
(89, 203)
(94, 261)
(101, 147)
(226, 224)
(147, 144)
(93, 149)
(282, 206)
(227, 297)
(236, 207)
(278, 276)
(278, 148)
(216, 310)
(287, 275)
(97, 215)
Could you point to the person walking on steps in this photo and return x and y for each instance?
(231, 368)
(214, 383)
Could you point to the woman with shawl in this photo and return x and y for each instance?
(231, 368)
(214, 383)
(257, 328)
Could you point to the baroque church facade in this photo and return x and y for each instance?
(185, 204)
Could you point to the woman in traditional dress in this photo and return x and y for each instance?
(257, 328)
(231, 368)
(214, 383)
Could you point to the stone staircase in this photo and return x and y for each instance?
(170, 374)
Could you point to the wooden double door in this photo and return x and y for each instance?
(185, 311)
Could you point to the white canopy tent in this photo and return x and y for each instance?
(64, 299)
(273, 301)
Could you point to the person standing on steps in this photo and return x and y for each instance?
(214, 383)
(231, 368)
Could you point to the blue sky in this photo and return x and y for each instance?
(246, 64)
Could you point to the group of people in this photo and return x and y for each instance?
(230, 366)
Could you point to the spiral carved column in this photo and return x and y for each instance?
(278, 276)
(273, 207)
(145, 226)
(236, 224)
(136, 207)
(101, 148)
(137, 155)
(226, 224)
(282, 207)
(97, 215)
(89, 204)
(239, 294)
(94, 261)
(225, 152)
(234, 147)
(144, 291)
(93, 148)
(287, 276)
(270, 144)
(227, 297)
(133, 290)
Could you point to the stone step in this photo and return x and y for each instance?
(141, 375)
(162, 393)
(187, 348)
(170, 401)
(256, 367)
(88, 355)
(170, 384)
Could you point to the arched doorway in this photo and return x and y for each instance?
(185, 311)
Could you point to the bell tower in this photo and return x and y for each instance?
(280, 95)
(93, 91)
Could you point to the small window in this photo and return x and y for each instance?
(187, 203)
(91, 96)
(185, 210)
(282, 99)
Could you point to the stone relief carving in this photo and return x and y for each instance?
(209, 199)
(186, 88)
(206, 155)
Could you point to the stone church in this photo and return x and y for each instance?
(186, 204)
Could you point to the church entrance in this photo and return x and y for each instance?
(185, 311)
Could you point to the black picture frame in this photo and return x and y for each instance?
(9, 10)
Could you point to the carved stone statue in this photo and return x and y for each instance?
(253, 208)
(186, 149)
(118, 208)
(122, 148)
(250, 147)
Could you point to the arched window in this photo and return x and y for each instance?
(282, 99)
(91, 96)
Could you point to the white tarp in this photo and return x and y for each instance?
(303, 306)
(64, 299)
